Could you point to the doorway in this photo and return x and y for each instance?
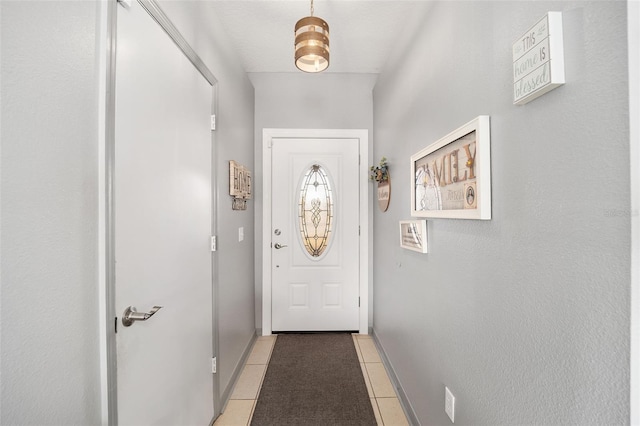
(159, 218)
(315, 260)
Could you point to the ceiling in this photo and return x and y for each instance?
(362, 32)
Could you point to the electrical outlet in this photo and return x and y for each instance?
(449, 403)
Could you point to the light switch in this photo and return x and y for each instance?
(241, 233)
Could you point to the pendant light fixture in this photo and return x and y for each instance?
(312, 43)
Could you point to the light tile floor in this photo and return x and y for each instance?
(384, 400)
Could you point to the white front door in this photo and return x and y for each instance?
(315, 234)
(163, 212)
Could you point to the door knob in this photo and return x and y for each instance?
(130, 315)
(279, 246)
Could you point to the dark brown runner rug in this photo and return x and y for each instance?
(314, 379)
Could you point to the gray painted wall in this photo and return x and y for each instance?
(49, 168)
(524, 317)
(633, 20)
(304, 101)
(198, 23)
(49, 163)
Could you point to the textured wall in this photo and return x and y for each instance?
(198, 23)
(50, 372)
(305, 101)
(524, 317)
(633, 19)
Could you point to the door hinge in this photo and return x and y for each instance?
(358, 302)
(214, 367)
(214, 243)
(213, 121)
(115, 325)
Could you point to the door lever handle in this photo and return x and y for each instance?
(130, 315)
(279, 246)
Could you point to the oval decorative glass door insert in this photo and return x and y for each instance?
(315, 210)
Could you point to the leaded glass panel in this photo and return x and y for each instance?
(315, 210)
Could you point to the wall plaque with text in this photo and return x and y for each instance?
(538, 59)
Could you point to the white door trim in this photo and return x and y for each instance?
(364, 203)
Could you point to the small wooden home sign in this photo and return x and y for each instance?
(239, 185)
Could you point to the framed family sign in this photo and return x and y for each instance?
(451, 178)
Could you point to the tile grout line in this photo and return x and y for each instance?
(375, 398)
(253, 407)
(255, 401)
(369, 375)
(379, 411)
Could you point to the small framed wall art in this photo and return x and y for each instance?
(413, 235)
(451, 178)
(240, 185)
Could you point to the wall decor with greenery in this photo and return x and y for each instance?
(380, 174)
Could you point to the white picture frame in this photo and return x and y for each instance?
(451, 178)
(413, 235)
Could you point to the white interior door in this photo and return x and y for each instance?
(315, 234)
(163, 216)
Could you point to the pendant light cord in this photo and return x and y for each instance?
(311, 7)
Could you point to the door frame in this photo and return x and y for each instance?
(106, 196)
(365, 204)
